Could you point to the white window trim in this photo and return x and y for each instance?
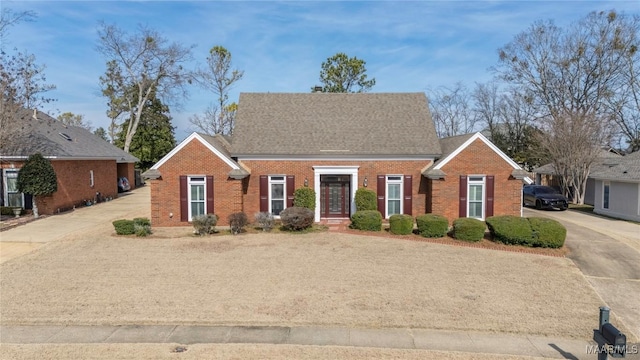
(386, 193)
(91, 179)
(5, 188)
(606, 183)
(191, 181)
(284, 192)
(482, 182)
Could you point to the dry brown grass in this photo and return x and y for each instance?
(304, 279)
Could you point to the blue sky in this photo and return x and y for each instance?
(408, 46)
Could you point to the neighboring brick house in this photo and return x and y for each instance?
(333, 143)
(84, 164)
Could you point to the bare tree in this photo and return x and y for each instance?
(624, 103)
(23, 86)
(9, 18)
(451, 110)
(569, 142)
(570, 75)
(146, 62)
(218, 77)
(71, 119)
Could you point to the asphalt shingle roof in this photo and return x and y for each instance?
(53, 139)
(618, 168)
(334, 124)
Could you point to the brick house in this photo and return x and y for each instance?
(84, 164)
(334, 144)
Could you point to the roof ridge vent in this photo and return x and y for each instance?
(65, 136)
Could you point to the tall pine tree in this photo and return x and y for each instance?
(155, 136)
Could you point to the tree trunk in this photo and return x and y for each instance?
(35, 207)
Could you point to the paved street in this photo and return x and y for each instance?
(607, 252)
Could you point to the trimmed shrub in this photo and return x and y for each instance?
(547, 232)
(205, 224)
(401, 224)
(369, 220)
(305, 197)
(432, 225)
(124, 227)
(511, 230)
(237, 221)
(469, 229)
(141, 230)
(296, 218)
(142, 221)
(265, 220)
(6, 210)
(366, 199)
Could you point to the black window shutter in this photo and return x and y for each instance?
(184, 200)
(264, 193)
(381, 194)
(210, 209)
(490, 195)
(291, 187)
(462, 205)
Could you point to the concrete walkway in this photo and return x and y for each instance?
(320, 336)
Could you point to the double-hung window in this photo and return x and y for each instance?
(197, 196)
(606, 185)
(277, 191)
(13, 197)
(476, 195)
(394, 195)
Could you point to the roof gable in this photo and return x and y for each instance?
(457, 144)
(334, 125)
(212, 143)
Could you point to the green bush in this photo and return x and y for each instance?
(141, 230)
(468, 229)
(265, 220)
(511, 230)
(432, 225)
(205, 224)
(142, 221)
(237, 221)
(401, 224)
(366, 199)
(6, 210)
(547, 232)
(369, 220)
(296, 218)
(124, 227)
(305, 197)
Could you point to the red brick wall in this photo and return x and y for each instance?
(304, 169)
(73, 183)
(193, 159)
(476, 159)
(127, 170)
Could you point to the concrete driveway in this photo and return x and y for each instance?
(607, 252)
(31, 236)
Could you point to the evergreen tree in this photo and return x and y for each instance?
(155, 136)
(37, 178)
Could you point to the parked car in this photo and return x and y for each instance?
(543, 197)
(123, 184)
